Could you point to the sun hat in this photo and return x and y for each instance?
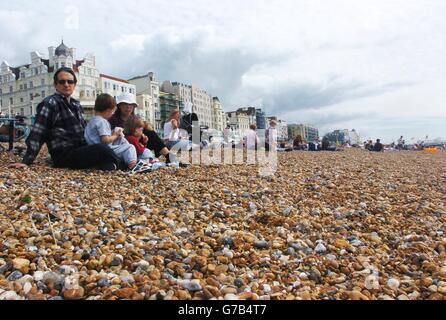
(126, 98)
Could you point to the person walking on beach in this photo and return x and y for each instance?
(60, 124)
(271, 137)
(251, 138)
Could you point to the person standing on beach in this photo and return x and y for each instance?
(271, 137)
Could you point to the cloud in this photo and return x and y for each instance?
(336, 63)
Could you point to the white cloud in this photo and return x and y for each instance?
(363, 60)
(133, 44)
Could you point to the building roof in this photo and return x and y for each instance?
(47, 63)
(181, 84)
(139, 77)
(62, 50)
(113, 78)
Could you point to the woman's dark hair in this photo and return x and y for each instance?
(64, 69)
(118, 111)
(104, 102)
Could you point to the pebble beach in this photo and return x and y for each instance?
(350, 225)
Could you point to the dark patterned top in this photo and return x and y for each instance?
(59, 123)
(116, 121)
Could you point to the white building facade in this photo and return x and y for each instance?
(23, 87)
(147, 97)
(239, 123)
(201, 100)
(218, 115)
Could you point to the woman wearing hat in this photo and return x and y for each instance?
(126, 105)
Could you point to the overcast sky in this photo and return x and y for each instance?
(378, 66)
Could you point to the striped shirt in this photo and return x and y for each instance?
(59, 123)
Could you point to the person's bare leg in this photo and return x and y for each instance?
(164, 152)
(132, 164)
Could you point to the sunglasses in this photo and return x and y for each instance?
(62, 82)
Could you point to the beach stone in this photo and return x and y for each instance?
(10, 295)
(74, 294)
(320, 248)
(192, 286)
(393, 284)
(21, 264)
(356, 295)
(16, 275)
(261, 244)
(125, 293)
(231, 296)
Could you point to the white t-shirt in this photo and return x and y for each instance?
(251, 139)
(171, 134)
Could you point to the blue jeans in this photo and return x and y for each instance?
(178, 145)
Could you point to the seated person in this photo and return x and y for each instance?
(188, 119)
(98, 131)
(60, 124)
(133, 130)
(172, 132)
(126, 105)
(378, 147)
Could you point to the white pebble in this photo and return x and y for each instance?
(393, 284)
(231, 296)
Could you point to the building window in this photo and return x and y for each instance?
(43, 94)
(22, 111)
(21, 99)
(62, 64)
(31, 96)
(21, 87)
(25, 86)
(11, 101)
(31, 85)
(11, 89)
(88, 93)
(42, 82)
(122, 89)
(22, 75)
